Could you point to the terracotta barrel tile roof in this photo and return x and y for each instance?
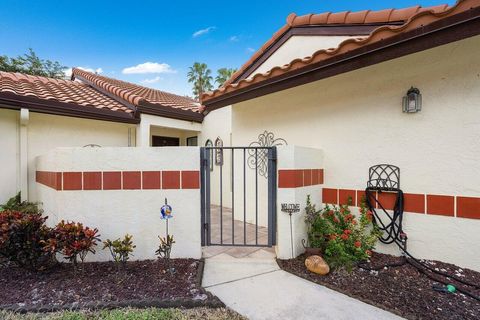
(360, 17)
(57, 90)
(58, 96)
(421, 17)
(387, 16)
(135, 94)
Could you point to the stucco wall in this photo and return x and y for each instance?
(134, 211)
(356, 119)
(46, 132)
(294, 157)
(298, 47)
(218, 124)
(9, 133)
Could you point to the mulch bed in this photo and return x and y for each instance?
(402, 290)
(100, 285)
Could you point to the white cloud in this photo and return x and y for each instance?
(152, 80)
(149, 67)
(68, 72)
(234, 38)
(202, 32)
(250, 49)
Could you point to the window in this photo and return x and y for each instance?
(192, 141)
(159, 141)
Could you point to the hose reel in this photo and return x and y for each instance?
(386, 178)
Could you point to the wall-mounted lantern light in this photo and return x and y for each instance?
(412, 102)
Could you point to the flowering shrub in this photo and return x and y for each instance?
(120, 249)
(343, 239)
(73, 240)
(22, 235)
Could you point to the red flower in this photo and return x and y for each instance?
(347, 231)
(357, 244)
(354, 222)
(336, 220)
(344, 236)
(368, 252)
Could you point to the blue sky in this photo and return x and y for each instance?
(115, 35)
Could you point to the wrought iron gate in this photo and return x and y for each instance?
(238, 205)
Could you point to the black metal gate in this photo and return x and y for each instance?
(238, 196)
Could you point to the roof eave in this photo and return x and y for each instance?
(13, 101)
(169, 112)
(346, 29)
(450, 29)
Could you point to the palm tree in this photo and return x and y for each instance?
(200, 76)
(223, 74)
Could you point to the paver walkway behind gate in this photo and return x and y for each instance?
(255, 287)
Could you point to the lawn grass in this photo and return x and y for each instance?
(130, 314)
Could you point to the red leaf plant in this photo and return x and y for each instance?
(73, 241)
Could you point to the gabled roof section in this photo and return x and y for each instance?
(352, 23)
(425, 29)
(146, 100)
(57, 96)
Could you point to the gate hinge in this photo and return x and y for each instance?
(205, 226)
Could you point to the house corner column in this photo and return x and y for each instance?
(23, 158)
(300, 174)
(142, 135)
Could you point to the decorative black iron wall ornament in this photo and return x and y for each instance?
(258, 158)
(209, 143)
(384, 176)
(219, 152)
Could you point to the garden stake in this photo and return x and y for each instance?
(291, 208)
(166, 214)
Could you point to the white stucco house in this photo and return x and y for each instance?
(335, 81)
(333, 86)
(38, 114)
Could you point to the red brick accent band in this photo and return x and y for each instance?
(444, 205)
(120, 180)
(296, 178)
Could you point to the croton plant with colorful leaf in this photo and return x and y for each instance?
(73, 241)
(343, 237)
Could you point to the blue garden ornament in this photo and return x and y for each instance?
(166, 211)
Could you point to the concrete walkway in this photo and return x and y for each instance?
(255, 287)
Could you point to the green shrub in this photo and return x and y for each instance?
(121, 250)
(16, 204)
(165, 247)
(343, 239)
(22, 239)
(73, 241)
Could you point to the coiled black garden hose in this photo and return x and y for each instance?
(393, 233)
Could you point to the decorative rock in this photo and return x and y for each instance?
(317, 265)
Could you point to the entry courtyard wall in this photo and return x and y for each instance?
(356, 119)
(121, 190)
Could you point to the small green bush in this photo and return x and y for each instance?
(342, 238)
(16, 204)
(121, 250)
